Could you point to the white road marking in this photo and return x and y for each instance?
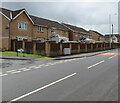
(96, 64)
(22, 69)
(73, 59)
(57, 62)
(1, 75)
(61, 61)
(26, 69)
(42, 65)
(53, 63)
(10, 71)
(46, 65)
(15, 72)
(111, 57)
(32, 67)
(37, 67)
(49, 63)
(41, 88)
(65, 60)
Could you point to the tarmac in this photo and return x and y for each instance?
(80, 55)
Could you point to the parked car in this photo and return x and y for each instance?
(87, 40)
(57, 38)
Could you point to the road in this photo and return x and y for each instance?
(92, 78)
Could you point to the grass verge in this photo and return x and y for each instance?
(13, 53)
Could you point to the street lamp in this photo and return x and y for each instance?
(110, 28)
(112, 34)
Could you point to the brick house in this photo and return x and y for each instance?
(19, 25)
(96, 36)
(45, 28)
(112, 38)
(76, 33)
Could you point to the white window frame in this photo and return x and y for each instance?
(63, 32)
(40, 29)
(53, 30)
(23, 25)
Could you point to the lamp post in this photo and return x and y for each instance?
(9, 41)
(110, 30)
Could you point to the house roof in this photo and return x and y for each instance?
(46, 22)
(113, 34)
(75, 28)
(96, 32)
(35, 20)
(107, 36)
(7, 12)
(15, 13)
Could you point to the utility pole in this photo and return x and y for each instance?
(110, 29)
(9, 45)
(112, 33)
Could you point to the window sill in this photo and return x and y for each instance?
(40, 31)
(23, 29)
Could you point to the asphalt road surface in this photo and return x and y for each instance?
(92, 78)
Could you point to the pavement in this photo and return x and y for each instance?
(93, 78)
(81, 55)
(16, 57)
(53, 58)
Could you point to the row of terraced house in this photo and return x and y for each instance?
(19, 24)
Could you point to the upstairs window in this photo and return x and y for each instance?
(63, 32)
(53, 30)
(40, 29)
(22, 25)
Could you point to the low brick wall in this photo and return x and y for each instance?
(51, 48)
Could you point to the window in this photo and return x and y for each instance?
(53, 30)
(40, 28)
(63, 32)
(22, 25)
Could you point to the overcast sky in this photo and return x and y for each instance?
(88, 15)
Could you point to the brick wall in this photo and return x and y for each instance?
(14, 31)
(4, 32)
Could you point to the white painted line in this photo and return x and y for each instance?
(53, 63)
(22, 69)
(49, 63)
(61, 61)
(1, 75)
(46, 65)
(41, 88)
(15, 72)
(42, 64)
(73, 59)
(65, 60)
(112, 57)
(32, 67)
(10, 71)
(96, 64)
(57, 62)
(37, 67)
(26, 69)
